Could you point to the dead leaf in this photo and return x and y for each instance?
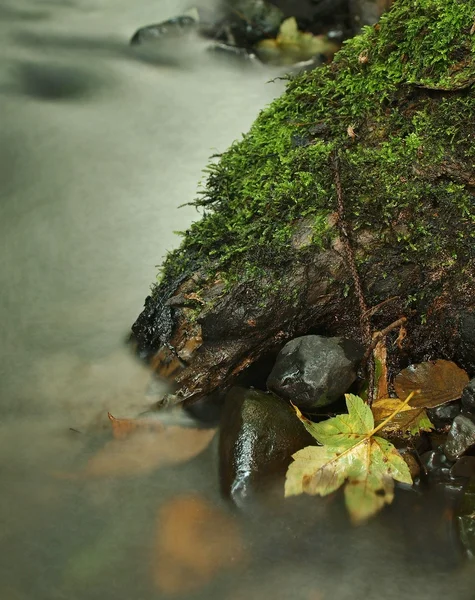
(144, 451)
(351, 132)
(408, 420)
(194, 541)
(121, 428)
(439, 382)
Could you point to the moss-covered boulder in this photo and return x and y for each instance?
(266, 262)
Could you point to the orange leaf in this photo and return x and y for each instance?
(439, 382)
(144, 451)
(194, 541)
(121, 428)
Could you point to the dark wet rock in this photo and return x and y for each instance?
(437, 470)
(248, 21)
(177, 26)
(442, 416)
(314, 371)
(461, 437)
(348, 15)
(436, 465)
(259, 433)
(464, 467)
(468, 396)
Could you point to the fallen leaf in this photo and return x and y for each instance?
(121, 428)
(194, 541)
(407, 419)
(352, 456)
(292, 45)
(439, 382)
(144, 451)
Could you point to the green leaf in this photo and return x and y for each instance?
(289, 30)
(351, 455)
(343, 430)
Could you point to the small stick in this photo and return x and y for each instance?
(379, 335)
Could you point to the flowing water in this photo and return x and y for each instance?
(99, 145)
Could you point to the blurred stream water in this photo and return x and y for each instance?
(99, 145)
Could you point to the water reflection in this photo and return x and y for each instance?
(98, 146)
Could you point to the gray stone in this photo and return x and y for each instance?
(314, 371)
(442, 415)
(468, 396)
(461, 437)
(259, 433)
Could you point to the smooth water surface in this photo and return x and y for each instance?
(99, 145)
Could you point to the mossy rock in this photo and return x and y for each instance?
(265, 262)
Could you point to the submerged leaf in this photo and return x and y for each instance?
(352, 456)
(406, 420)
(194, 541)
(121, 428)
(439, 382)
(145, 450)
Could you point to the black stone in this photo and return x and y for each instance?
(436, 465)
(468, 396)
(461, 437)
(464, 467)
(259, 433)
(442, 416)
(314, 371)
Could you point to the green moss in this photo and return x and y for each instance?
(390, 85)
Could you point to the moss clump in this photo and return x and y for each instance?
(404, 88)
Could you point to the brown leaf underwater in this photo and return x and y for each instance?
(143, 451)
(194, 542)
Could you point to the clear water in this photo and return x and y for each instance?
(99, 145)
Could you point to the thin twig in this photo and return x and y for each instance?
(379, 335)
(351, 263)
(349, 254)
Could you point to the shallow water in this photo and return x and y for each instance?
(99, 145)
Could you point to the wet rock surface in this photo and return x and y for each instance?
(461, 437)
(314, 371)
(259, 433)
(468, 396)
(437, 471)
(442, 416)
(174, 27)
(464, 467)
